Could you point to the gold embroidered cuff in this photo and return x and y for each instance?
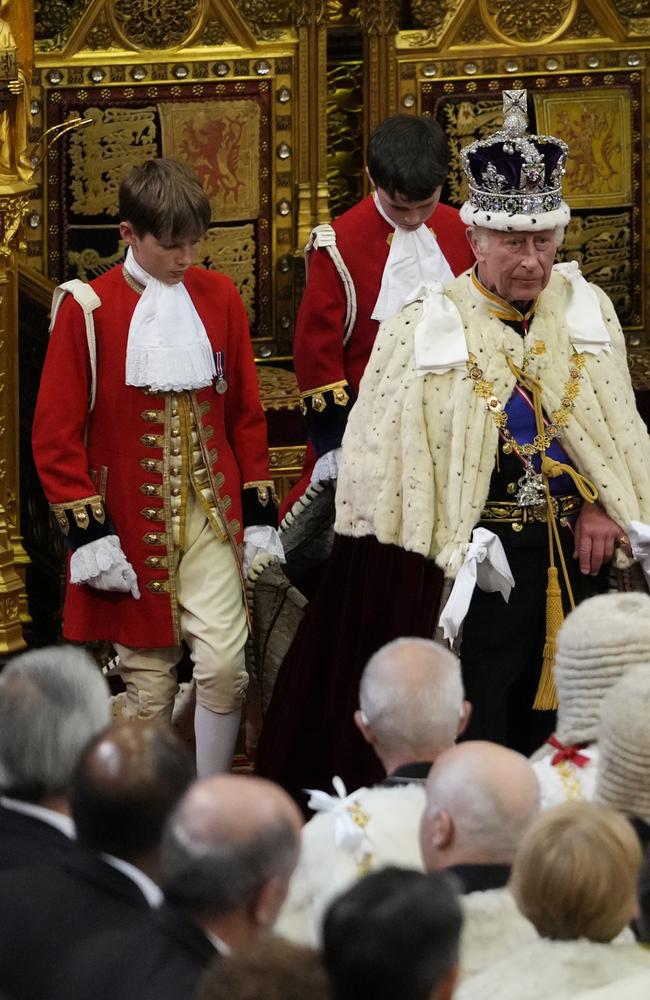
(265, 490)
(259, 503)
(81, 511)
(340, 396)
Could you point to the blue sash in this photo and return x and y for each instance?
(521, 424)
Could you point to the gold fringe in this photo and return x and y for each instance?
(546, 696)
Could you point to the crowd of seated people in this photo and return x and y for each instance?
(469, 872)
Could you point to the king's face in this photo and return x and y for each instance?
(516, 266)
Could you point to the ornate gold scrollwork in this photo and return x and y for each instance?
(527, 23)
(165, 24)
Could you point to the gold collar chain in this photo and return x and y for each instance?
(559, 419)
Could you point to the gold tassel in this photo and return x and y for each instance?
(546, 696)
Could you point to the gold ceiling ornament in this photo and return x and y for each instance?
(584, 25)
(165, 24)
(635, 15)
(432, 14)
(54, 22)
(310, 12)
(263, 14)
(523, 22)
(380, 17)
(473, 30)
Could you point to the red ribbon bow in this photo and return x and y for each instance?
(571, 753)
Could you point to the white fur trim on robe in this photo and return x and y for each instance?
(418, 452)
(493, 927)
(559, 970)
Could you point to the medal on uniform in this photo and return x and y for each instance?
(221, 384)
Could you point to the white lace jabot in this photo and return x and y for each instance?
(414, 259)
(168, 347)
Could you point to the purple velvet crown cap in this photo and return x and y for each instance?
(515, 179)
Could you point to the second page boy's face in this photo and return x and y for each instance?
(166, 261)
(403, 212)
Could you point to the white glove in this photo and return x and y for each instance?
(327, 467)
(261, 538)
(103, 565)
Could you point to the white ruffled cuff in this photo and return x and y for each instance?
(327, 467)
(261, 538)
(102, 565)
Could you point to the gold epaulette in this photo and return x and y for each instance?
(81, 511)
(340, 396)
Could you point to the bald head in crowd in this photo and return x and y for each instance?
(481, 798)
(228, 853)
(127, 783)
(411, 702)
(52, 701)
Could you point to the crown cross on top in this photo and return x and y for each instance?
(515, 111)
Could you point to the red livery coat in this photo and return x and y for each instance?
(362, 238)
(121, 449)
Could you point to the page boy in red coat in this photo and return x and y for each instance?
(363, 268)
(150, 442)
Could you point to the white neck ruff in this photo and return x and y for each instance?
(414, 259)
(168, 348)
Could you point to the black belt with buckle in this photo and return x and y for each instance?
(510, 512)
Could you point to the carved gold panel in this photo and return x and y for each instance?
(596, 125)
(221, 141)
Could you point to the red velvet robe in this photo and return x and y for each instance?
(119, 450)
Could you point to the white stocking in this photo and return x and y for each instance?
(216, 735)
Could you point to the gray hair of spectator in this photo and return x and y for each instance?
(484, 820)
(480, 235)
(394, 934)
(214, 876)
(398, 719)
(52, 702)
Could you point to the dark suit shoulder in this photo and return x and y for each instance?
(26, 841)
(162, 957)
